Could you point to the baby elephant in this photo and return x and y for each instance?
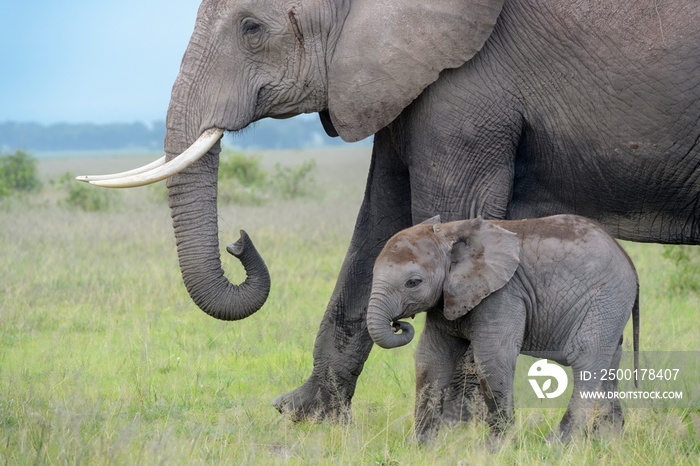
(557, 287)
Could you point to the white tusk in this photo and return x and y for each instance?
(135, 171)
(193, 153)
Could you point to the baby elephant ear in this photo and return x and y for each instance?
(484, 258)
(431, 221)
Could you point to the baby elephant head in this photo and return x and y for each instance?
(461, 262)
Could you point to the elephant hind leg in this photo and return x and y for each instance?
(613, 416)
(588, 407)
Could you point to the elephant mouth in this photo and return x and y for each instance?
(397, 325)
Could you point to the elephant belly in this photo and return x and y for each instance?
(639, 198)
(610, 106)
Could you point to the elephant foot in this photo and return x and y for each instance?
(614, 420)
(424, 435)
(314, 402)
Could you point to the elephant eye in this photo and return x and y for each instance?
(254, 34)
(413, 282)
(250, 27)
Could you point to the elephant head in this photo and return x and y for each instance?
(358, 63)
(457, 263)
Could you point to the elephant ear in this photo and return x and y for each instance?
(484, 258)
(390, 50)
(431, 221)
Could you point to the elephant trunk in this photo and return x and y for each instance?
(192, 196)
(382, 326)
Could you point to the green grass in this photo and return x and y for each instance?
(105, 359)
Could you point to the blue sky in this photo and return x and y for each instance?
(91, 61)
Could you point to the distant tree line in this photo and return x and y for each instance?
(299, 132)
(65, 136)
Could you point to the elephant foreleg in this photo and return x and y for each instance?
(496, 372)
(464, 399)
(343, 342)
(437, 356)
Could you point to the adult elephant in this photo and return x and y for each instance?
(505, 109)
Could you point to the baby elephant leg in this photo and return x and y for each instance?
(496, 366)
(436, 358)
(596, 352)
(586, 407)
(463, 399)
(614, 416)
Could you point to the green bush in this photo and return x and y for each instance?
(296, 181)
(684, 274)
(247, 170)
(242, 179)
(84, 196)
(18, 173)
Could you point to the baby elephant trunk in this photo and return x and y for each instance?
(382, 327)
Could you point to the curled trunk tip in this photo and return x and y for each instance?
(223, 300)
(394, 335)
(384, 330)
(238, 248)
(252, 294)
(406, 330)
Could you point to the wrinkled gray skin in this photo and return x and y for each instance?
(558, 287)
(512, 110)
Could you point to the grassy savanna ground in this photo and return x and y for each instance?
(105, 359)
